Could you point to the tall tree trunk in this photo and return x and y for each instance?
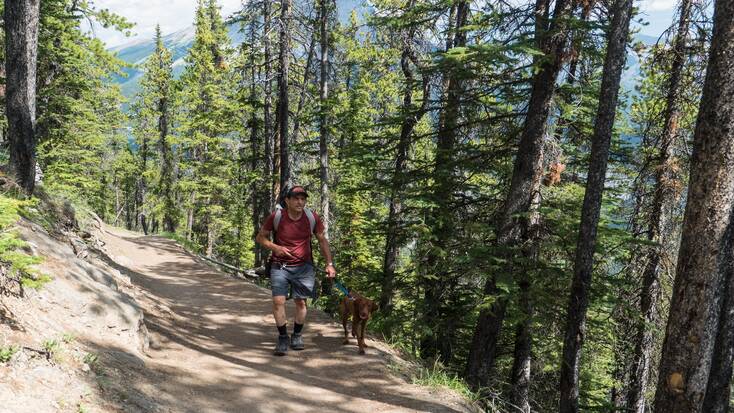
(143, 185)
(323, 116)
(437, 291)
(664, 196)
(522, 354)
(268, 197)
(411, 116)
(591, 209)
(21, 46)
(525, 183)
(705, 256)
(304, 86)
(190, 216)
(521, 364)
(283, 115)
(255, 151)
(169, 220)
(719, 384)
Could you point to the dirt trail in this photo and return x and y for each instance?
(212, 338)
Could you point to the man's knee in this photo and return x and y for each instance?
(299, 302)
(278, 301)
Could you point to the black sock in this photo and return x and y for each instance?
(297, 328)
(283, 330)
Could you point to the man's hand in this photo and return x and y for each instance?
(330, 271)
(281, 251)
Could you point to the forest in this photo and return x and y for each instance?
(545, 236)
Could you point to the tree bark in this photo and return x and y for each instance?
(21, 46)
(664, 196)
(705, 254)
(525, 183)
(283, 115)
(255, 152)
(521, 365)
(304, 86)
(591, 209)
(719, 385)
(268, 199)
(323, 116)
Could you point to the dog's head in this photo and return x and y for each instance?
(365, 307)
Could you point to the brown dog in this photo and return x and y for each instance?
(361, 309)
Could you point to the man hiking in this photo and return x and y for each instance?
(292, 261)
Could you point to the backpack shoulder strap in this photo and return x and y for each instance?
(311, 218)
(276, 218)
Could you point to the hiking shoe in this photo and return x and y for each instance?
(297, 342)
(282, 347)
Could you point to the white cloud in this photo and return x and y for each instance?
(658, 5)
(172, 15)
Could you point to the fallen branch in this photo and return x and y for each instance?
(250, 273)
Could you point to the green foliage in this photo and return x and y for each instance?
(78, 106)
(51, 346)
(15, 264)
(7, 353)
(190, 246)
(436, 376)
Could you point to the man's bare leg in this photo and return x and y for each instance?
(279, 310)
(301, 310)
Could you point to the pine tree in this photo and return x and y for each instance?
(203, 125)
(153, 116)
(583, 264)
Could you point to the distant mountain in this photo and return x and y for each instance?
(632, 73)
(181, 41)
(178, 43)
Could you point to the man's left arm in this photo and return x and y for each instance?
(326, 253)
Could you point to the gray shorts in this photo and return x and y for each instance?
(300, 277)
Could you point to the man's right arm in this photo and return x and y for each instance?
(263, 238)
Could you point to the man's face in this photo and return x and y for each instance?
(296, 202)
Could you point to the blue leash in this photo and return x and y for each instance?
(341, 288)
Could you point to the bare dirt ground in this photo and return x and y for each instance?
(211, 342)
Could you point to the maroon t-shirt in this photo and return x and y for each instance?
(294, 235)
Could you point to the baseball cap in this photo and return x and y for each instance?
(295, 191)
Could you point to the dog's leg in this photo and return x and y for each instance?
(361, 336)
(355, 327)
(345, 317)
(344, 324)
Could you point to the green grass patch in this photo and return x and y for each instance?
(51, 346)
(437, 376)
(7, 353)
(17, 265)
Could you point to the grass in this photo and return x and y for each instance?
(51, 346)
(437, 376)
(18, 265)
(7, 353)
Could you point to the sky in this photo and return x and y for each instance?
(172, 15)
(175, 15)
